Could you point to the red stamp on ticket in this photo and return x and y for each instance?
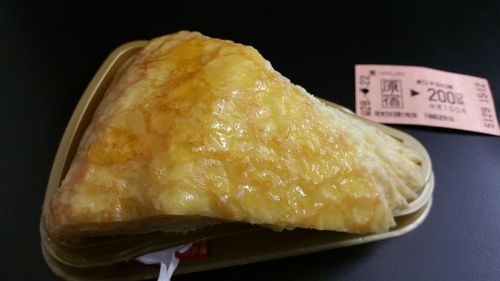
(424, 96)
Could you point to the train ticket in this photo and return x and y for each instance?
(423, 96)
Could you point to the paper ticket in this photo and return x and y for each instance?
(424, 96)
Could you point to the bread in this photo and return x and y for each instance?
(198, 131)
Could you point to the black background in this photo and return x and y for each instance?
(49, 52)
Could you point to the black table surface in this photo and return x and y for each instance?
(50, 52)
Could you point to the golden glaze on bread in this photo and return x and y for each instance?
(205, 128)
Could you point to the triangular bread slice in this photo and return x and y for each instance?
(197, 131)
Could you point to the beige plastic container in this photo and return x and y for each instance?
(252, 244)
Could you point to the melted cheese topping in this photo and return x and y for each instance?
(205, 127)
